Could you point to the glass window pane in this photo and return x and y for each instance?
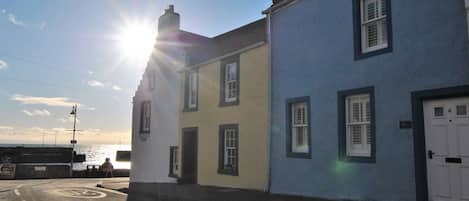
(439, 111)
(461, 110)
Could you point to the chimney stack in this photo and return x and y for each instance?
(169, 21)
(276, 1)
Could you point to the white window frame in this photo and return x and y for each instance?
(299, 120)
(174, 160)
(231, 94)
(192, 90)
(230, 148)
(381, 21)
(363, 121)
(145, 117)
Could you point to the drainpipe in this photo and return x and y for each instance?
(269, 102)
(466, 3)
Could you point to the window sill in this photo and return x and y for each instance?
(372, 53)
(228, 172)
(299, 155)
(358, 159)
(173, 176)
(227, 104)
(190, 109)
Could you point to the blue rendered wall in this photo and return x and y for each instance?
(313, 55)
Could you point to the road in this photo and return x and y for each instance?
(59, 190)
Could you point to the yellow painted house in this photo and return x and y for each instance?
(224, 111)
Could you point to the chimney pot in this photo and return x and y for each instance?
(169, 21)
(276, 1)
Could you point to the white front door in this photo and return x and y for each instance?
(447, 144)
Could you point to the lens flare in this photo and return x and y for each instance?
(136, 40)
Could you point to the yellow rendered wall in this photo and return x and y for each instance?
(251, 115)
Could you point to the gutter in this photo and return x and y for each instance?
(269, 101)
(245, 49)
(276, 7)
(269, 12)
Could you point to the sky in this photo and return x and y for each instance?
(54, 54)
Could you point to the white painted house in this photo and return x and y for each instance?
(156, 108)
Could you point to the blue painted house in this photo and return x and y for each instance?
(370, 99)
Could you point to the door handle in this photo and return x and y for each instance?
(430, 154)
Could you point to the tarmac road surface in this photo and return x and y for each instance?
(59, 190)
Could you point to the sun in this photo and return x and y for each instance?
(136, 40)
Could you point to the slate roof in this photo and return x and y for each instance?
(225, 43)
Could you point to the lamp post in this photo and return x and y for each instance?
(73, 141)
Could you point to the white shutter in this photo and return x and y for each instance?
(384, 32)
(358, 123)
(374, 25)
(383, 9)
(371, 10)
(299, 132)
(356, 134)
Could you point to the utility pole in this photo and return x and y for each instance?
(73, 141)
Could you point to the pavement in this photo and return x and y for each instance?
(62, 189)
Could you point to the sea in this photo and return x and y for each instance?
(96, 154)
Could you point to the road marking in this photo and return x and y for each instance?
(17, 192)
(79, 193)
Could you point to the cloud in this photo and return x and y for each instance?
(49, 101)
(68, 120)
(62, 135)
(41, 113)
(58, 130)
(6, 128)
(12, 18)
(83, 107)
(90, 72)
(116, 88)
(95, 83)
(3, 64)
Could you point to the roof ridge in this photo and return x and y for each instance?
(239, 28)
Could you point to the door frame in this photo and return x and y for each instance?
(420, 156)
(183, 179)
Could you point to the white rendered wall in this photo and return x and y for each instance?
(150, 158)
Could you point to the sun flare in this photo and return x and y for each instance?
(136, 40)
